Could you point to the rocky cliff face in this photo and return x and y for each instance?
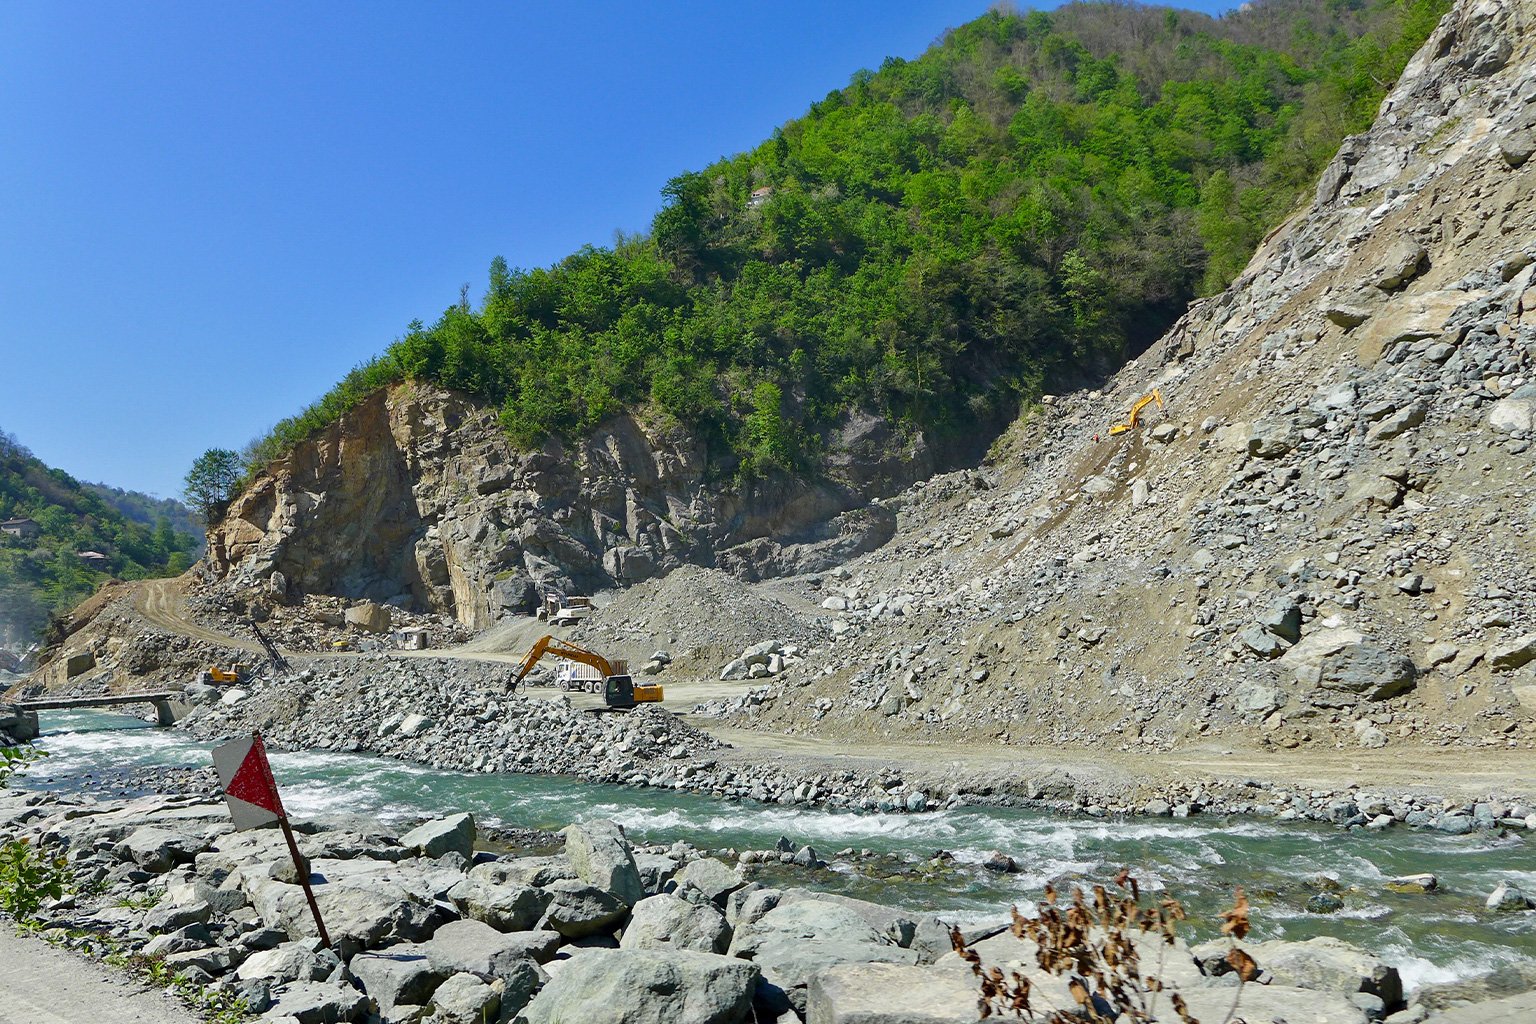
(1326, 537)
(417, 497)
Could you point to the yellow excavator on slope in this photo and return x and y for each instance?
(619, 691)
(1141, 403)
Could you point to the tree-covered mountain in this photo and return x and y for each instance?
(1022, 208)
(42, 570)
(149, 510)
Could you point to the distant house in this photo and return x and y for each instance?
(26, 529)
(93, 559)
(759, 197)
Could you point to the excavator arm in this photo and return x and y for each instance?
(1142, 403)
(561, 649)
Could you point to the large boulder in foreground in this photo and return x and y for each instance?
(474, 947)
(640, 986)
(667, 922)
(602, 857)
(793, 942)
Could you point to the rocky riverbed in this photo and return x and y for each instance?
(427, 924)
(459, 715)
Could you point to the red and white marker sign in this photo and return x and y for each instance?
(249, 788)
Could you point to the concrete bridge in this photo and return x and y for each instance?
(23, 713)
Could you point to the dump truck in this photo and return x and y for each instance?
(619, 691)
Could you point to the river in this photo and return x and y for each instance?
(1438, 936)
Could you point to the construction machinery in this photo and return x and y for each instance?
(1141, 403)
(216, 675)
(618, 690)
(275, 656)
(560, 610)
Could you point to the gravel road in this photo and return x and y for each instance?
(43, 985)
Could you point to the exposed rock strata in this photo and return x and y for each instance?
(416, 496)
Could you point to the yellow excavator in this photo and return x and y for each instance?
(619, 691)
(1141, 403)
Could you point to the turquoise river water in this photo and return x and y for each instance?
(1433, 937)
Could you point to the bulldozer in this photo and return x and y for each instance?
(216, 675)
(559, 610)
(618, 689)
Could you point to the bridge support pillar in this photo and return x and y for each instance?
(164, 715)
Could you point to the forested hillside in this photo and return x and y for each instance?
(43, 574)
(1020, 209)
(149, 510)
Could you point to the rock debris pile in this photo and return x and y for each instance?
(1326, 538)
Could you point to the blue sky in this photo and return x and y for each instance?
(212, 211)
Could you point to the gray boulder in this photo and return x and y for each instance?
(1282, 618)
(473, 947)
(576, 909)
(1369, 670)
(507, 907)
(398, 976)
(465, 999)
(792, 942)
(601, 856)
(159, 849)
(1322, 964)
(707, 879)
(666, 922)
(319, 1002)
(1508, 896)
(1513, 654)
(749, 904)
(1274, 1003)
(1271, 438)
(453, 834)
(890, 994)
(1366, 670)
(1404, 260)
(1253, 698)
(1513, 413)
(168, 916)
(356, 919)
(656, 869)
(1400, 422)
(640, 986)
(1261, 641)
(892, 924)
(304, 960)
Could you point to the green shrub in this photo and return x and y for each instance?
(28, 879)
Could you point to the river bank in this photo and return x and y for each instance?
(456, 715)
(1306, 880)
(427, 921)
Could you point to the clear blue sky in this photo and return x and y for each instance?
(211, 211)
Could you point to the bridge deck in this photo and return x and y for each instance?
(110, 700)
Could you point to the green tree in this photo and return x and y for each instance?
(210, 483)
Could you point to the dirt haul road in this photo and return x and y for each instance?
(1455, 773)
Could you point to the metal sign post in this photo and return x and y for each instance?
(250, 790)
